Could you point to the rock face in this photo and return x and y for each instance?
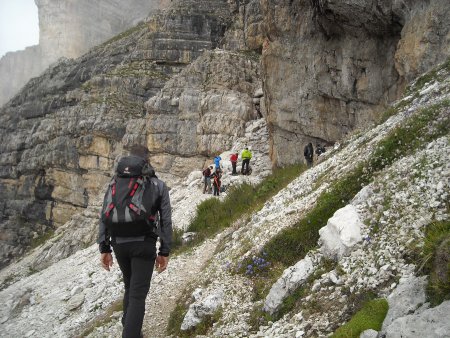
(199, 113)
(69, 28)
(432, 323)
(331, 66)
(61, 134)
(407, 297)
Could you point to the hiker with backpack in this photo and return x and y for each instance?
(136, 211)
(246, 156)
(216, 178)
(308, 152)
(233, 160)
(207, 179)
(320, 149)
(217, 160)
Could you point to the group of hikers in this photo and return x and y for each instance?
(212, 175)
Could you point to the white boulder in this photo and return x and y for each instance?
(429, 323)
(407, 297)
(202, 308)
(369, 334)
(341, 233)
(292, 278)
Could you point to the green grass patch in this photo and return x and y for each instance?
(214, 215)
(436, 262)
(176, 317)
(371, 316)
(292, 244)
(395, 110)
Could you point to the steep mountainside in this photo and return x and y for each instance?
(186, 83)
(60, 135)
(383, 187)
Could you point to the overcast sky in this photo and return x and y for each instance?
(19, 25)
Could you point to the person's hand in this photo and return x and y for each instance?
(161, 263)
(107, 260)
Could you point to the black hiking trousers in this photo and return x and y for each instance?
(245, 165)
(136, 261)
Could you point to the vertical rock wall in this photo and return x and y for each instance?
(60, 135)
(330, 67)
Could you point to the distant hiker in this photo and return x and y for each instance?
(308, 152)
(216, 177)
(320, 149)
(217, 160)
(233, 159)
(246, 156)
(207, 179)
(134, 202)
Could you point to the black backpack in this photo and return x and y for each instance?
(131, 200)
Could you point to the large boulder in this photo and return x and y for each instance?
(429, 323)
(341, 233)
(292, 278)
(202, 308)
(407, 297)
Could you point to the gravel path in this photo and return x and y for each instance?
(181, 271)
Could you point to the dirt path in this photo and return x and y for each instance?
(167, 287)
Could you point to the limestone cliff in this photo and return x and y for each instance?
(69, 28)
(331, 66)
(61, 134)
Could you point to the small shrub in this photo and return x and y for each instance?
(371, 316)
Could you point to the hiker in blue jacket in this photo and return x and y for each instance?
(135, 252)
(217, 160)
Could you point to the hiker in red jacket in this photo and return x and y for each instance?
(233, 159)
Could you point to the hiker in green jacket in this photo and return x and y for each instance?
(246, 155)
